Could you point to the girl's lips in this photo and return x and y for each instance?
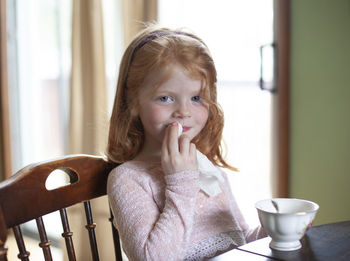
(185, 128)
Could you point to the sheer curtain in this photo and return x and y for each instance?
(136, 12)
(88, 110)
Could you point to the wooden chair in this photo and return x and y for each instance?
(24, 197)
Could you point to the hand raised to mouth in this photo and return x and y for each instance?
(178, 153)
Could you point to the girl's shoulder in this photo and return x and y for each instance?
(138, 166)
(134, 176)
(136, 170)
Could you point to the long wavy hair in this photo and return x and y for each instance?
(153, 51)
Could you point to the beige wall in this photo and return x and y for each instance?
(320, 106)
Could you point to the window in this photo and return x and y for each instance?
(234, 30)
(40, 37)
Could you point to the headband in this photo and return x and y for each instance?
(153, 36)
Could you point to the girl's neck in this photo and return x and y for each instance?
(151, 157)
(149, 152)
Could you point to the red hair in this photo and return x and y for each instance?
(152, 52)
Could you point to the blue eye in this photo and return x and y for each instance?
(196, 98)
(166, 99)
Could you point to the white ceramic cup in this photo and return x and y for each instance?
(287, 224)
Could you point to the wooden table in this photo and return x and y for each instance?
(322, 243)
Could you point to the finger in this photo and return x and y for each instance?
(165, 145)
(193, 154)
(184, 145)
(193, 150)
(173, 140)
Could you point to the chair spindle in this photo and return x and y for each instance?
(67, 235)
(91, 229)
(44, 242)
(3, 251)
(23, 253)
(117, 249)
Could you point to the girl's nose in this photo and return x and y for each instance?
(182, 111)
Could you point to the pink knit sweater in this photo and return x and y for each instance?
(169, 218)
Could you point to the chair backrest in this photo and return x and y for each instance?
(24, 197)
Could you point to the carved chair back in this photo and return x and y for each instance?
(25, 197)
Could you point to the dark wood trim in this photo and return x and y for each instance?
(282, 40)
(5, 145)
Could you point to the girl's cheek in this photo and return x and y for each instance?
(203, 114)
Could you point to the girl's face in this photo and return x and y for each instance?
(178, 99)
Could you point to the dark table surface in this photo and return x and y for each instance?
(329, 242)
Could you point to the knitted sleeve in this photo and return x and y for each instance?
(249, 234)
(148, 232)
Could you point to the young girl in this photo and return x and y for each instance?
(170, 202)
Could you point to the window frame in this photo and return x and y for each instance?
(282, 104)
